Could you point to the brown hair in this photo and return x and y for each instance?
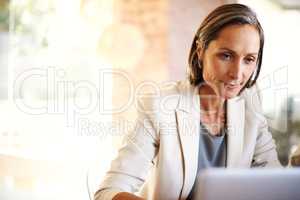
(221, 17)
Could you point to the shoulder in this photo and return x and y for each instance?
(252, 98)
(253, 107)
(165, 98)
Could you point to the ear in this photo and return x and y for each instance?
(200, 51)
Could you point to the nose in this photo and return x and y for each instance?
(236, 70)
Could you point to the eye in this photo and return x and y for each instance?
(250, 60)
(225, 56)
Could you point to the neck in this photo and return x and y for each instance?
(210, 102)
(212, 110)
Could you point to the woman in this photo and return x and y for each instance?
(212, 120)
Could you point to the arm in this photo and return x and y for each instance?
(135, 158)
(265, 154)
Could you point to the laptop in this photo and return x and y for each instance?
(249, 184)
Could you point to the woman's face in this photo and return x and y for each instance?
(230, 60)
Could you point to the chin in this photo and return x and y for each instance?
(227, 93)
(230, 95)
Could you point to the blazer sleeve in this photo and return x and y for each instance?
(265, 153)
(135, 158)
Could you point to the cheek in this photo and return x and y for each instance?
(213, 71)
(248, 72)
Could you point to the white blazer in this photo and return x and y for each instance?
(159, 158)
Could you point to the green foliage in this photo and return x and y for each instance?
(4, 15)
(30, 22)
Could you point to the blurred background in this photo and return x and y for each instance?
(69, 72)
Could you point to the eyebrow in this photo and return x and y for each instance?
(227, 49)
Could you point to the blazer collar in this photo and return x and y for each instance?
(235, 130)
(189, 98)
(188, 121)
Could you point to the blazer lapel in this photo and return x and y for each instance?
(188, 121)
(235, 124)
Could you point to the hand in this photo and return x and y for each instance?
(295, 158)
(126, 196)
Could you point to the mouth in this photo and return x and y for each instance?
(232, 85)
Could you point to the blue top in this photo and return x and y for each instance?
(212, 153)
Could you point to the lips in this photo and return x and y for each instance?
(231, 85)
